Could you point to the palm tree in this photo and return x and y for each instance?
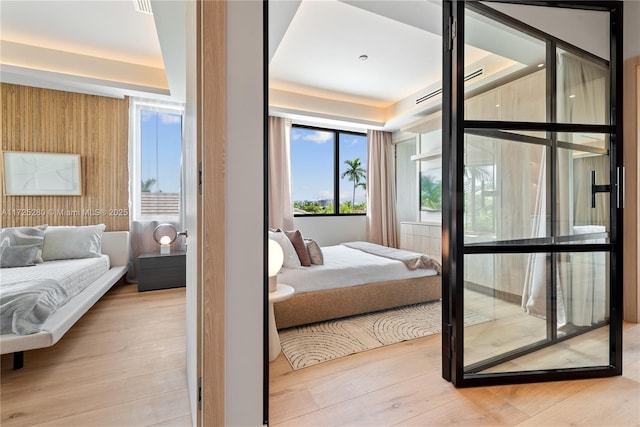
(147, 184)
(355, 173)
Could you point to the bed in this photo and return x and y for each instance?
(354, 281)
(101, 272)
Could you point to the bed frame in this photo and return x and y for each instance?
(116, 245)
(310, 307)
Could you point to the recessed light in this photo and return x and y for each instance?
(540, 65)
(363, 57)
(497, 105)
(572, 96)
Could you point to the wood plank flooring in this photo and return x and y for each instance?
(402, 385)
(122, 364)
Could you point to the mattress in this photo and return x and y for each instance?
(344, 267)
(29, 295)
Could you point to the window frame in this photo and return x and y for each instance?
(336, 170)
(137, 105)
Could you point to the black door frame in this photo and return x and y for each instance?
(453, 248)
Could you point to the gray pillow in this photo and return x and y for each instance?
(18, 256)
(21, 236)
(72, 242)
(315, 253)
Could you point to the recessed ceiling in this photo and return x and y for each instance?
(319, 55)
(101, 47)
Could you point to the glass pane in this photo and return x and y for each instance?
(495, 286)
(505, 190)
(583, 90)
(599, 141)
(312, 189)
(576, 215)
(506, 304)
(406, 182)
(512, 85)
(353, 173)
(160, 154)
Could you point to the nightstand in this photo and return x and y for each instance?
(281, 293)
(157, 271)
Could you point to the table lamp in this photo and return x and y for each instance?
(165, 235)
(276, 258)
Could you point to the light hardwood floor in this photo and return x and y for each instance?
(122, 364)
(401, 384)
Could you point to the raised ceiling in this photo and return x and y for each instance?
(101, 47)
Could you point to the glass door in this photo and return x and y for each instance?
(532, 233)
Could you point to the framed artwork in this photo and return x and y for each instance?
(41, 174)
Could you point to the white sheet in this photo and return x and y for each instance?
(73, 274)
(345, 267)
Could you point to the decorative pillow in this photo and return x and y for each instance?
(18, 256)
(315, 253)
(21, 236)
(298, 243)
(291, 259)
(72, 242)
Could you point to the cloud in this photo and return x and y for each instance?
(325, 194)
(318, 137)
(169, 119)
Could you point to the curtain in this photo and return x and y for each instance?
(280, 205)
(581, 277)
(382, 226)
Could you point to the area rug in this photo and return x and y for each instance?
(319, 342)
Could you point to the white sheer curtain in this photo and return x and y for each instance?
(280, 205)
(382, 226)
(581, 277)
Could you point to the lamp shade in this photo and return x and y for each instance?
(276, 257)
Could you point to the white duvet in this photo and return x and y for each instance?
(29, 295)
(344, 267)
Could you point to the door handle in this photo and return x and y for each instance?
(597, 189)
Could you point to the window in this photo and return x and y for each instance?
(156, 158)
(328, 171)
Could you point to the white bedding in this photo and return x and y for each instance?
(345, 267)
(31, 294)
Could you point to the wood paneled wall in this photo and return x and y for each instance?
(95, 127)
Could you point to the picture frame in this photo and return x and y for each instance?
(41, 174)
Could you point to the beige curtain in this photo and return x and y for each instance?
(382, 227)
(280, 205)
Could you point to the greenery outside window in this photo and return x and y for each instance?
(328, 171)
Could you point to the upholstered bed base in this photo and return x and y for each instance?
(313, 307)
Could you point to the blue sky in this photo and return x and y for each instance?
(165, 130)
(312, 164)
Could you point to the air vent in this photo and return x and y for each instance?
(143, 6)
(436, 92)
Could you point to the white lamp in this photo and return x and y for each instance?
(276, 258)
(165, 235)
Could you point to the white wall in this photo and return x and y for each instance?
(244, 223)
(631, 29)
(329, 231)
(190, 172)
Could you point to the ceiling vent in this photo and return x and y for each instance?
(436, 92)
(143, 6)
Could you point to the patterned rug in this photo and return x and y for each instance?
(319, 342)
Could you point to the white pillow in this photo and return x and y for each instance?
(72, 242)
(291, 259)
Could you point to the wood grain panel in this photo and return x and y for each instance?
(631, 136)
(97, 128)
(212, 54)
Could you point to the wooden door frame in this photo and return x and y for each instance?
(211, 141)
